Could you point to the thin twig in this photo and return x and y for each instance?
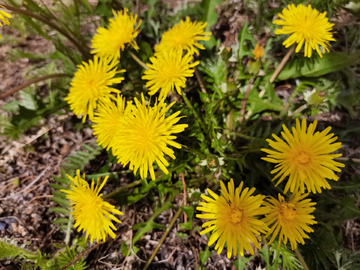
(184, 186)
(141, 63)
(282, 64)
(202, 86)
(85, 53)
(40, 197)
(28, 186)
(163, 237)
(243, 102)
(32, 81)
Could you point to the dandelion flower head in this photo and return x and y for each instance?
(233, 218)
(304, 157)
(91, 84)
(290, 219)
(122, 30)
(145, 137)
(91, 213)
(4, 14)
(305, 25)
(258, 52)
(168, 71)
(184, 36)
(107, 120)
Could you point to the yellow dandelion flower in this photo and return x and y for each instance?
(168, 71)
(4, 14)
(258, 52)
(305, 157)
(233, 218)
(291, 219)
(122, 30)
(306, 25)
(91, 84)
(145, 136)
(108, 120)
(184, 36)
(91, 213)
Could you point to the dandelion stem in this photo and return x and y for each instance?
(184, 188)
(163, 237)
(32, 81)
(68, 230)
(85, 53)
(245, 136)
(116, 191)
(298, 254)
(282, 64)
(198, 119)
(243, 102)
(298, 110)
(141, 63)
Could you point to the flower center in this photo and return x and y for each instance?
(302, 157)
(287, 212)
(235, 216)
(171, 72)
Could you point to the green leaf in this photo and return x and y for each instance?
(58, 187)
(62, 180)
(63, 202)
(61, 220)
(189, 211)
(150, 223)
(13, 251)
(87, 5)
(241, 261)
(205, 255)
(12, 106)
(28, 100)
(244, 34)
(125, 249)
(210, 17)
(60, 210)
(316, 66)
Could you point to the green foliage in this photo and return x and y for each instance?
(81, 158)
(316, 66)
(11, 251)
(241, 262)
(275, 255)
(67, 256)
(210, 17)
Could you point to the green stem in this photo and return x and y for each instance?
(198, 119)
(163, 237)
(282, 63)
(298, 254)
(195, 152)
(141, 63)
(250, 151)
(244, 136)
(121, 189)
